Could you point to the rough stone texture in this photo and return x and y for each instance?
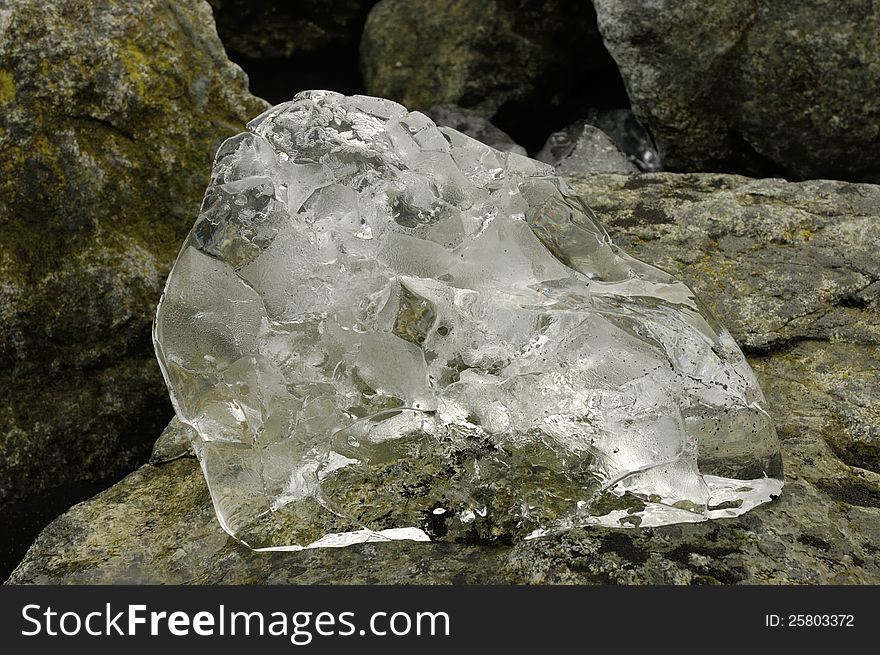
(480, 54)
(110, 112)
(584, 149)
(755, 85)
(174, 442)
(630, 136)
(270, 28)
(792, 269)
(474, 125)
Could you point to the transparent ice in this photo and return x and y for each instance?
(381, 329)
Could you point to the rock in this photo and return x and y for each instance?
(110, 112)
(176, 441)
(604, 141)
(268, 29)
(474, 125)
(520, 62)
(783, 86)
(755, 249)
(630, 136)
(810, 247)
(584, 149)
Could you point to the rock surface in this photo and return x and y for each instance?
(110, 113)
(584, 149)
(630, 136)
(758, 85)
(792, 269)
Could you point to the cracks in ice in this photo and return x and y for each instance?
(436, 397)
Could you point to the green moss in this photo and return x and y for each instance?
(713, 269)
(7, 87)
(136, 64)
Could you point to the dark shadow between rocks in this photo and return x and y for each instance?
(278, 79)
(530, 123)
(290, 47)
(331, 62)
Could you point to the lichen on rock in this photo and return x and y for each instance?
(109, 114)
(741, 243)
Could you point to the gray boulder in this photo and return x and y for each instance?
(789, 86)
(583, 148)
(792, 269)
(628, 133)
(110, 113)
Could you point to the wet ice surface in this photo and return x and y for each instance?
(381, 329)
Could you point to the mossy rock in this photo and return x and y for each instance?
(791, 269)
(110, 112)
